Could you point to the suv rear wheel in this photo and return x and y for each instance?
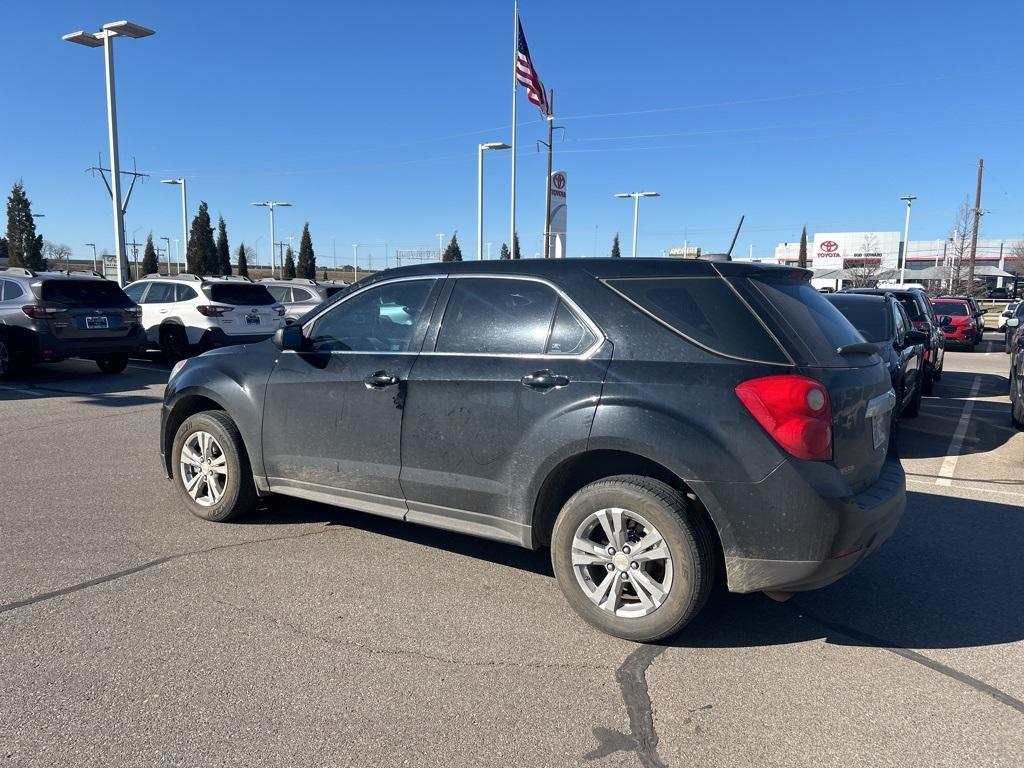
(211, 468)
(112, 363)
(631, 557)
(173, 343)
(6, 359)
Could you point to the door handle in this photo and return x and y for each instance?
(544, 380)
(380, 380)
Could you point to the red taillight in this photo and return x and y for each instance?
(927, 356)
(133, 312)
(41, 313)
(794, 410)
(213, 310)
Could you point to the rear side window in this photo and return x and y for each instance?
(569, 335)
(869, 315)
(704, 310)
(240, 293)
(184, 293)
(159, 293)
(10, 290)
(498, 317)
(84, 293)
(280, 292)
(914, 311)
(951, 308)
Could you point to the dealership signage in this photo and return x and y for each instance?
(557, 223)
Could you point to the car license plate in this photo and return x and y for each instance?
(879, 431)
(877, 414)
(252, 319)
(92, 323)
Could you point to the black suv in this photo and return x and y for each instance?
(653, 421)
(922, 316)
(50, 316)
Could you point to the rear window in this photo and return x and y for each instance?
(240, 293)
(802, 318)
(952, 308)
(869, 316)
(84, 293)
(914, 310)
(704, 310)
(334, 289)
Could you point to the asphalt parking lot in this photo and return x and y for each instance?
(134, 634)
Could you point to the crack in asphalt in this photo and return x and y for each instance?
(919, 658)
(82, 585)
(642, 738)
(376, 650)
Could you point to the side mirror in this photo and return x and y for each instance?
(289, 337)
(945, 320)
(916, 337)
(1013, 322)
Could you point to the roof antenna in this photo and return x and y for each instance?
(733, 243)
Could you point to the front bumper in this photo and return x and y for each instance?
(797, 530)
(964, 335)
(214, 337)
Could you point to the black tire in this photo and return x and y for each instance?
(683, 530)
(112, 363)
(937, 372)
(914, 406)
(1017, 413)
(1008, 343)
(928, 381)
(239, 496)
(8, 365)
(174, 343)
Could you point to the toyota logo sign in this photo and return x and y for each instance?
(830, 246)
(559, 180)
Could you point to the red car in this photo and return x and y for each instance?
(961, 327)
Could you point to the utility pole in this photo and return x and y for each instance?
(114, 188)
(547, 178)
(977, 222)
(135, 256)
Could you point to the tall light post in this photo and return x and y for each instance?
(440, 243)
(184, 212)
(480, 193)
(105, 38)
(906, 237)
(93, 255)
(355, 262)
(636, 210)
(168, 241)
(271, 205)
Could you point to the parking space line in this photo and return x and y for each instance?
(953, 452)
(22, 391)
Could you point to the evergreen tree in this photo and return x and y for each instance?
(325, 277)
(306, 266)
(515, 246)
(201, 253)
(243, 263)
(616, 253)
(289, 264)
(149, 260)
(24, 246)
(223, 266)
(505, 252)
(803, 249)
(453, 252)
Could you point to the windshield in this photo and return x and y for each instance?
(240, 293)
(951, 308)
(870, 316)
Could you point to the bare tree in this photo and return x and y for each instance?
(959, 249)
(56, 253)
(864, 268)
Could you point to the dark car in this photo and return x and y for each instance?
(998, 293)
(1015, 346)
(1010, 330)
(923, 317)
(883, 321)
(653, 421)
(51, 316)
(962, 325)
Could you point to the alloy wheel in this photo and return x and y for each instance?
(622, 562)
(204, 469)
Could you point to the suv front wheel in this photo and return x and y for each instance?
(632, 558)
(211, 468)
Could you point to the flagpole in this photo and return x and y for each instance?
(515, 56)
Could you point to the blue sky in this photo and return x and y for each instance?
(366, 117)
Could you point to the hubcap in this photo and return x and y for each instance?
(621, 562)
(204, 468)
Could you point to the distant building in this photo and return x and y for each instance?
(686, 252)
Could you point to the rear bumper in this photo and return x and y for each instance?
(797, 531)
(51, 348)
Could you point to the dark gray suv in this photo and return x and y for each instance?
(654, 422)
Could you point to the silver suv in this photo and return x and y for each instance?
(51, 316)
(299, 295)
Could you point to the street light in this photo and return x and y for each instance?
(636, 210)
(184, 214)
(93, 255)
(480, 193)
(105, 38)
(271, 205)
(168, 241)
(440, 243)
(906, 236)
(355, 262)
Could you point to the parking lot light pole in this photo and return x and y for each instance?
(636, 210)
(93, 255)
(168, 241)
(271, 205)
(480, 193)
(184, 211)
(355, 262)
(105, 39)
(906, 237)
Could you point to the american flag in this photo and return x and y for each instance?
(527, 76)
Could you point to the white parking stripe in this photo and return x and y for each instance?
(23, 391)
(948, 467)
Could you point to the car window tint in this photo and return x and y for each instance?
(569, 336)
(184, 293)
(159, 293)
(304, 294)
(952, 308)
(380, 319)
(869, 315)
(280, 292)
(245, 294)
(705, 310)
(497, 316)
(10, 290)
(135, 291)
(901, 325)
(84, 293)
(913, 309)
(334, 289)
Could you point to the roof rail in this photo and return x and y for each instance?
(19, 271)
(238, 278)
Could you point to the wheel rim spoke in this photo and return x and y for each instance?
(586, 552)
(650, 547)
(204, 468)
(649, 591)
(611, 524)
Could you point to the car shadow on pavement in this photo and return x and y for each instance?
(949, 577)
(81, 379)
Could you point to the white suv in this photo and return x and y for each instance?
(183, 314)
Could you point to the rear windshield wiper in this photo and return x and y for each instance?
(858, 348)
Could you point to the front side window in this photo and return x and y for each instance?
(901, 325)
(497, 317)
(380, 319)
